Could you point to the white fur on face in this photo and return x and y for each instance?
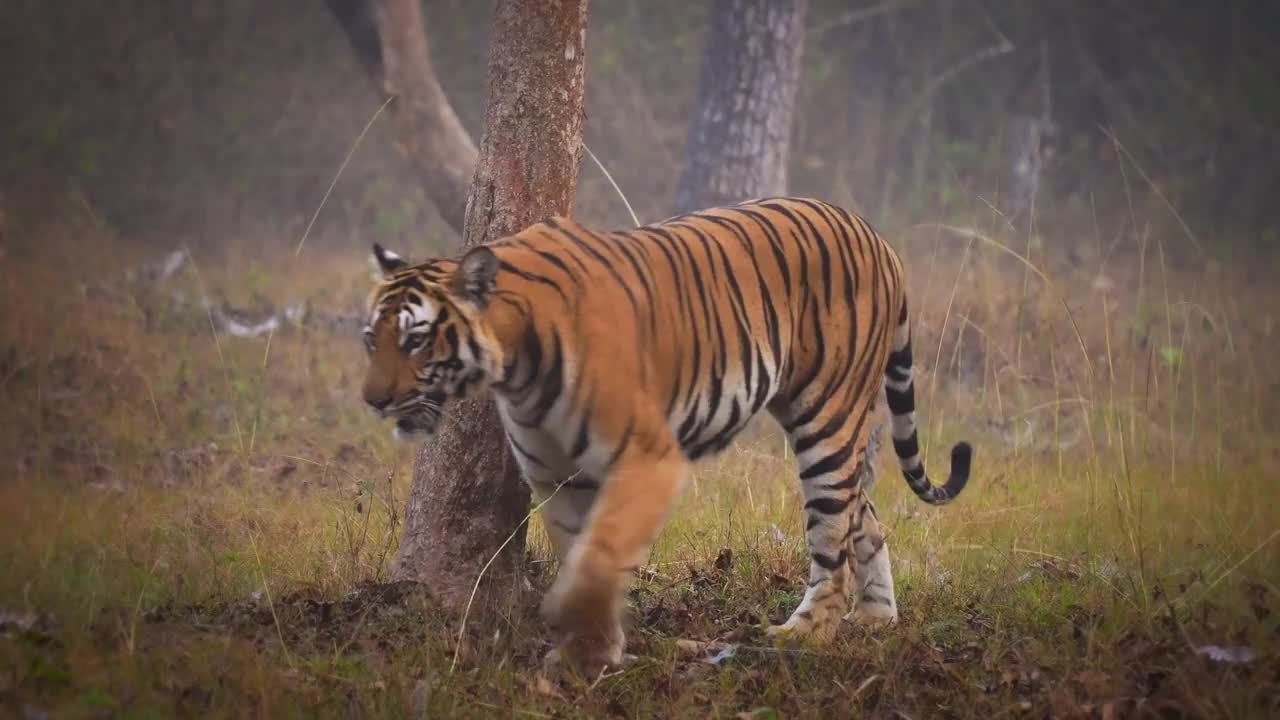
(411, 316)
(414, 315)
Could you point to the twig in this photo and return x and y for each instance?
(343, 166)
(853, 17)
(1001, 48)
(1241, 561)
(942, 333)
(515, 710)
(1186, 229)
(137, 608)
(616, 189)
(970, 233)
(697, 647)
(266, 590)
(474, 588)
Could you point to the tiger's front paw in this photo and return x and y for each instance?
(586, 593)
(584, 607)
(588, 656)
(586, 645)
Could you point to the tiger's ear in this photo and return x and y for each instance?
(386, 261)
(474, 278)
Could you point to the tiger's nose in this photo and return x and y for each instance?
(378, 402)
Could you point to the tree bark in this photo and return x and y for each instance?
(467, 496)
(389, 37)
(741, 129)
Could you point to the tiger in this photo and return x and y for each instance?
(619, 359)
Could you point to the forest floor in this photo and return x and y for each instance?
(200, 524)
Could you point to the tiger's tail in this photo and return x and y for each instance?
(899, 390)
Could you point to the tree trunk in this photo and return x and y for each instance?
(467, 496)
(390, 39)
(1027, 133)
(742, 125)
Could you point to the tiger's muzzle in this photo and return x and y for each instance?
(416, 417)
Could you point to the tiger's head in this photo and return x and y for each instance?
(426, 339)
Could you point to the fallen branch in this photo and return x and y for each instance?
(226, 318)
(715, 652)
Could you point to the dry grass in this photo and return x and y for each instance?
(201, 526)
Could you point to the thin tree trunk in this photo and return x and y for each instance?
(870, 94)
(467, 495)
(742, 125)
(389, 37)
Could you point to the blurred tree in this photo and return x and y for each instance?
(1030, 133)
(467, 495)
(390, 39)
(738, 142)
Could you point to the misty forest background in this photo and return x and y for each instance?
(200, 518)
(197, 122)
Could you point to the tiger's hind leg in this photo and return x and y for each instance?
(874, 602)
(828, 455)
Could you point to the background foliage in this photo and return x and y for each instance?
(206, 120)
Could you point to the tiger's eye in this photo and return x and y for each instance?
(413, 341)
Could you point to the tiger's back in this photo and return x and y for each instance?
(708, 318)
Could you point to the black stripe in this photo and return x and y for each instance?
(686, 260)
(684, 434)
(811, 373)
(521, 450)
(812, 236)
(624, 246)
(830, 463)
(599, 257)
(552, 383)
(845, 247)
(623, 442)
(901, 358)
(771, 324)
(838, 421)
(764, 386)
(908, 448)
(505, 266)
(829, 564)
(531, 350)
(581, 442)
(901, 402)
(720, 440)
(828, 505)
(554, 259)
(775, 247)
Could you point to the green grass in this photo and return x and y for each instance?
(203, 526)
